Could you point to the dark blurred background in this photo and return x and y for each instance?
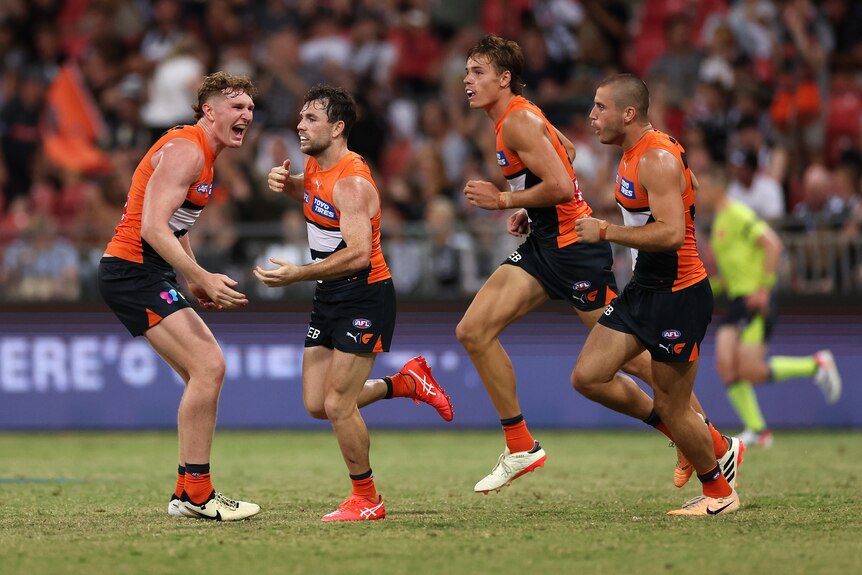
(770, 90)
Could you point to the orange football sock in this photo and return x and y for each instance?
(518, 437)
(655, 421)
(181, 480)
(400, 385)
(363, 486)
(714, 483)
(198, 485)
(719, 443)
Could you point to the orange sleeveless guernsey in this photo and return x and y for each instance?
(552, 225)
(323, 218)
(670, 270)
(127, 243)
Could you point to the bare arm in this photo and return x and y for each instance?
(357, 202)
(772, 248)
(571, 152)
(176, 167)
(526, 134)
(660, 173)
(281, 181)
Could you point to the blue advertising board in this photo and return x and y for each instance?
(84, 371)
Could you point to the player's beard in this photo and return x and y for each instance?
(315, 148)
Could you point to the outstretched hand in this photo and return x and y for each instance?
(285, 274)
(216, 291)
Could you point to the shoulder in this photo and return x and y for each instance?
(181, 154)
(740, 211)
(657, 159)
(521, 128)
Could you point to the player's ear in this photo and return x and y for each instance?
(505, 79)
(337, 128)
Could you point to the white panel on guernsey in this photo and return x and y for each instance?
(323, 240)
(184, 219)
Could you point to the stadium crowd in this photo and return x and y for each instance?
(771, 90)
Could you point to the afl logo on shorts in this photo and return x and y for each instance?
(671, 334)
(362, 323)
(581, 286)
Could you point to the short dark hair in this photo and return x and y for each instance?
(629, 90)
(340, 105)
(504, 55)
(219, 83)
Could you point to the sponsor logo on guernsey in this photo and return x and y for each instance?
(322, 208)
(501, 158)
(362, 323)
(671, 334)
(627, 188)
(205, 189)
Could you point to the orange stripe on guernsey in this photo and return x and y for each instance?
(127, 243)
(672, 270)
(553, 224)
(323, 218)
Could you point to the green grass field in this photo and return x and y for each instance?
(96, 503)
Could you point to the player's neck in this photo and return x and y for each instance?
(215, 145)
(332, 154)
(634, 136)
(496, 110)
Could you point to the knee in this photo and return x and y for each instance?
(317, 412)
(727, 375)
(210, 371)
(469, 334)
(662, 404)
(335, 408)
(583, 380)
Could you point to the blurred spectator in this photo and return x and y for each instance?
(845, 19)
(451, 259)
(752, 22)
(20, 135)
(820, 206)
(41, 265)
(283, 81)
(675, 69)
(417, 70)
(403, 250)
(327, 49)
(756, 189)
(610, 19)
(709, 110)
(164, 33)
(804, 42)
(818, 215)
(372, 55)
(558, 20)
(173, 87)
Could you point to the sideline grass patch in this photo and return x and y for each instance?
(96, 503)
